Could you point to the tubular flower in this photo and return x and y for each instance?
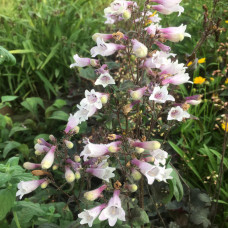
(138, 94)
(94, 194)
(69, 175)
(177, 79)
(159, 156)
(177, 114)
(174, 34)
(168, 10)
(83, 62)
(114, 210)
(105, 80)
(48, 160)
(139, 49)
(92, 99)
(88, 216)
(193, 100)
(148, 145)
(85, 110)
(25, 187)
(160, 95)
(165, 174)
(151, 172)
(42, 146)
(72, 123)
(199, 80)
(105, 49)
(94, 150)
(104, 173)
(113, 147)
(163, 47)
(30, 166)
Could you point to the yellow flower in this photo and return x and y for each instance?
(203, 60)
(189, 64)
(212, 79)
(224, 126)
(226, 22)
(226, 82)
(199, 80)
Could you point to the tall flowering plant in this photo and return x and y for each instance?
(138, 96)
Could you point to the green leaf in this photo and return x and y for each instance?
(10, 146)
(127, 84)
(8, 98)
(186, 159)
(6, 57)
(139, 217)
(21, 51)
(88, 73)
(4, 178)
(7, 198)
(59, 115)
(16, 129)
(12, 161)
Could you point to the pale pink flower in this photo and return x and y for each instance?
(94, 150)
(168, 10)
(85, 110)
(152, 29)
(114, 210)
(160, 95)
(177, 113)
(193, 100)
(139, 49)
(165, 174)
(138, 94)
(92, 98)
(88, 216)
(25, 187)
(72, 123)
(48, 160)
(30, 166)
(83, 62)
(162, 46)
(148, 145)
(104, 173)
(174, 34)
(105, 80)
(151, 172)
(159, 156)
(94, 194)
(105, 49)
(177, 79)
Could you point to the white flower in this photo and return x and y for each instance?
(177, 113)
(160, 95)
(105, 79)
(116, 8)
(104, 173)
(92, 98)
(159, 156)
(165, 174)
(80, 62)
(94, 150)
(85, 111)
(177, 79)
(25, 187)
(88, 216)
(105, 49)
(114, 210)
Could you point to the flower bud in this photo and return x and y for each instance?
(138, 94)
(136, 174)
(30, 166)
(148, 145)
(139, 49)
(77, 175)
(69, 144)
(77, 158)
(113, 147)
(48, 160)
(126, 15)
(76, 129)
(113, 137)
(139, 150)
(149, 159)
(94, 194)
(69, 175)
(55, 167)
(44, 184)
(94, 62)
(52, 138)
(132, 187)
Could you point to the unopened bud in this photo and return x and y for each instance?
(136, 175)
(132, 187)
(77, 158)
(37, 152)
(104, 99)
(139, 150)
(77, 175)
(69, 175)
(76, 129)
(126, 15)
(69, 144)
(52, 138)
(44, 184)
(55, 167)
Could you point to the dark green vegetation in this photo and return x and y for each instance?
(36, 98)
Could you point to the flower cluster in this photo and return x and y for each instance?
(156, 76)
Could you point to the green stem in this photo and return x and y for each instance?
(16, 219)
